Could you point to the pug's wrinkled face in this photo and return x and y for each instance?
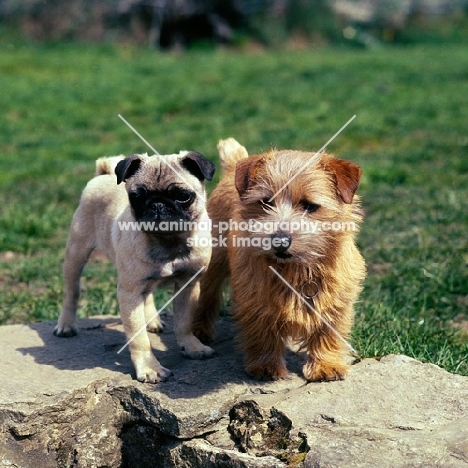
(166, 193)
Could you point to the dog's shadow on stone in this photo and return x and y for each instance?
(99, 341)
(94, 347)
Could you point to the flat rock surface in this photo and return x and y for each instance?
(74, 402)
(35, 363)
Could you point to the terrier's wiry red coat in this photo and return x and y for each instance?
(267, 311)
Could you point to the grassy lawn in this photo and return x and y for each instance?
(59, 113)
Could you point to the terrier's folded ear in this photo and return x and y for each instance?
(347, 177)
(246, 170)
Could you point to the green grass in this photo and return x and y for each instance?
(59, 113)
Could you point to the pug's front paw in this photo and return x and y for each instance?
(65, 331)
(193, 348)
(156, 326)
(149, 375)
(148, 369)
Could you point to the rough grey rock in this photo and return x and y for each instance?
(73, 403)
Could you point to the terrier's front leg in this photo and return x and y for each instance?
(264, 347)
(326, 351)
(184, 307)
(132, 310)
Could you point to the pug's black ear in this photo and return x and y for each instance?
(198, 166)
(127, 167)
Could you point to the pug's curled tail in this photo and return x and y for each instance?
(107, 165)
(230, 153)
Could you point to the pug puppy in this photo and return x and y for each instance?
(148, 215)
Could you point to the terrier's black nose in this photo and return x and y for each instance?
(280, 242)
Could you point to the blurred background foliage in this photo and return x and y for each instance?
(180, 24)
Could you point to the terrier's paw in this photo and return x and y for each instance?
(65, 331)
(324, 371)
(270, 370)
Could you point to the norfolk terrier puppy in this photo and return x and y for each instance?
(291, 219)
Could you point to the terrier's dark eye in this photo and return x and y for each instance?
(309, 206)
(266, 203)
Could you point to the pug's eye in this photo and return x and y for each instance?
(139, 192)
(182, 197)
(309, 206)
(266, 203)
